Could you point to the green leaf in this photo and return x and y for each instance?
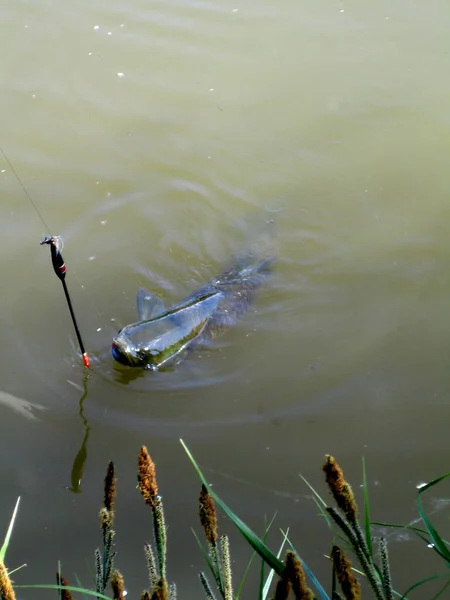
(261, 572)
(77, 579)
(208, 560)
(17, 569)
(316, 582)
(244, 576)
(64, 587)
(438, 542)
(9, 532)
(417, 530)
(316, 495)
(270, 576)
(252, 558)
(60, 591)
(423, 581)
(443, 588)
(367, 511)
(321, 504)
(421, 533)
(257, 544)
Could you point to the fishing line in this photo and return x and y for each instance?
(59, 266)
(25, 191)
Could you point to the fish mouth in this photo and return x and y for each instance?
(120, 356)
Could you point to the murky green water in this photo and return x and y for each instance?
(144, 132)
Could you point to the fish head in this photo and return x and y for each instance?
(129, 355)
(123, 352)
(151, 354)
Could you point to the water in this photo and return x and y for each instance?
(144, 133)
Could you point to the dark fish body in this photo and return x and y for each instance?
(162, 334)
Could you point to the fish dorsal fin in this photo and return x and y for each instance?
(148, 305)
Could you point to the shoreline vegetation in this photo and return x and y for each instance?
(357, 558)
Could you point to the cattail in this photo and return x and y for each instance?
(98, 571)
(355, 540)
(161, 590)
(208, 517)
(64, 594)
(226, 567)
(6, 589)
(151, 565)
(385, 570)
(341, 490)
(159, 528)
(118, 585)
(147, 478)
(109, 558)
(110, 488)
(206, 586)
(282, 589)
(296, 575)
(106, 519)
(343, 568)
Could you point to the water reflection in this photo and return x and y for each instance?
(79, 462)
(23, 407)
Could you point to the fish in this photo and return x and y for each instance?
(162, 334)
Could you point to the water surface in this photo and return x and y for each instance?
(144, 133)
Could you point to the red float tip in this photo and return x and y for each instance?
(87, 362)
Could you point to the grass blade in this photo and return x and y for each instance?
(9, 532)
(367, 511)
(257, 544)
(244, 576)
(261, 576)
(315, 581)
(261, 573)
(79, 584)
(417, 530)
(252, 558)
(60, 591)
(17, 569)
(438, 542)
(270, 575)
(71, 588)
(443, 588)
(421, 533)
(207, 558)
(316, 495)
(423, 581)
(320, 503)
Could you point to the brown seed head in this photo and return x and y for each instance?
(6, 589)
(161, 590)
(118, 585)
(145, 595)
(106, 518)
(110, 487)
(343, 568)
(296, 575)
(207, 513)
(147, 478)
(341, 490)
(283, 589)
(65, 594)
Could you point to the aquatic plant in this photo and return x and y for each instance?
(294, 578)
